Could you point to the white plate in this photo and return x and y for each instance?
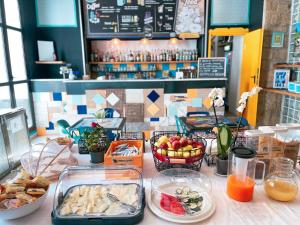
(24, 210)
(208, 209)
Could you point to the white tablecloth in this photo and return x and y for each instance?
(261, 210)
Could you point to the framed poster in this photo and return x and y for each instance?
(281, 79)
(190, 17)
(277, 39)
(56, 13)
(230, 13)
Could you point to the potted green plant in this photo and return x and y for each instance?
(223, 133)
(96, 142)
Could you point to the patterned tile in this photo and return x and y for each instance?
(57, 96)
(91, 100)
(112, 99)
(153, 109)
(81, 109)
(120, 94)
(197, 102)
(50, 126)
(159, 102)
(166, 66)
(45, 97)
(153, 96)
(179, 65)
(134, 95)
(78, 99)
(98, 99)
(154, 119)
(134, 112)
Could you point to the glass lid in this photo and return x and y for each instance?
(181, 193)
(98, 192)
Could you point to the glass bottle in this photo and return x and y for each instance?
(281, 184)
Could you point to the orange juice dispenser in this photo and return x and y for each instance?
(241, 173)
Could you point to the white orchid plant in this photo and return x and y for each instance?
(216, 97)
(243, 104)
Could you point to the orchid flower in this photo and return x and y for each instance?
(245, 96)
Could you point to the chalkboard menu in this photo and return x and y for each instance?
(212, 67)
(129, 16)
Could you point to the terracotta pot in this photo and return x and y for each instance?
(97, 157)
(221, 167)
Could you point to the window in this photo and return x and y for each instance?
(14, 84)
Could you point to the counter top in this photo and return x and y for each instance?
(133, 80)
(261, 210)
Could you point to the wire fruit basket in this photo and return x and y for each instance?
(183, 157)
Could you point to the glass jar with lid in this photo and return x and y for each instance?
(282, 184)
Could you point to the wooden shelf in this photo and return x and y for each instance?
(158, 62)
(50, 62)
(282, 92)
(282, 66)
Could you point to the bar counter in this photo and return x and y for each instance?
(78, 87)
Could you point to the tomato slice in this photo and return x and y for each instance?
(166, 201)
(176, 208)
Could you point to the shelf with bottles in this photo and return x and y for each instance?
(145, 57)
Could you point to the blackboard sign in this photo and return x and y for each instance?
(129, 16)
(212, 67)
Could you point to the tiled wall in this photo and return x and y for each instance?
(169, 68)
(152, 106)
(290, 110)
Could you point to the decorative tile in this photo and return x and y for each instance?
(112, 99)
(119, 105)
(179, 65)
(45, 97)
(192, 93)
(98, 99)
(158, 96)
(134, 95)
(36, 96)
(153, 96)
(57, 96)
(166, 66)
(158, 74)
(154, 119)
(41, 114)
(197, 102)
(81, 109)
(51, 126)
(134, 112)
(78, 99)
(153, 109)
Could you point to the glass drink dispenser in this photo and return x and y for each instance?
(241, 173)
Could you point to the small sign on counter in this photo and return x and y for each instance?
(212, 67)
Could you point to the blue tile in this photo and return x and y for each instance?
(197, 102)
(81, 110)
(179, 65)
(137, 66)
(109, 66)
(57, 96)
(130, 75)
(153, 96)
(172, 73)
(98, 99)
(77, 99)
(154, 119)
(158, 74)
(51, 126)
(123, 66)
(150, 66)
(194, 64)
(166, 66)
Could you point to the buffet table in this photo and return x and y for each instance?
(261, 210)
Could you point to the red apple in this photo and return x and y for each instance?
(189, 142)
(176, 145)
(200, 145)
(183, 142)
(164, 146)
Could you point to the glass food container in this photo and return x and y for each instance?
(94, 195)
(281, 184)
(181, 195)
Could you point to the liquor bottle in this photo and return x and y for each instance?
(131, 57)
